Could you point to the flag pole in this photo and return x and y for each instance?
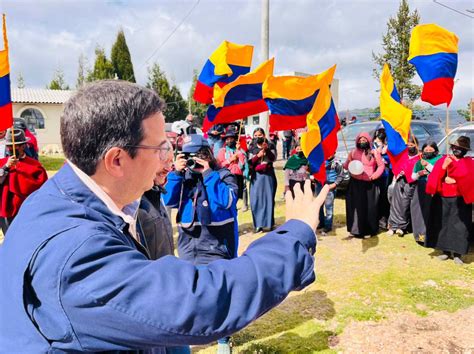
(13, 140)
(345, 143)
(447, 129)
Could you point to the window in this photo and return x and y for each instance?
(34, 118)
(421, 134)
(256, 120)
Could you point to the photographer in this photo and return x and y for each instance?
(206, 198)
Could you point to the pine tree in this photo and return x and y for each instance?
(81, 71)
(466, 113)
(197, 108)
(20, 81)
(58, 82)
(121, 59)
(176, 106)
(396, 44)
(103, 68)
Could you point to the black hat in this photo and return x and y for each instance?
(231, 131)
(20, 137)
(463, 142)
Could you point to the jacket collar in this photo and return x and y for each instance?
(73, 188)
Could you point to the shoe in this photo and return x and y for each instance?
(458, 260)
(223, 348)
(367, 236)
(400, 233)
(257, 230)
(323, 233)
(390, 233)
(443, 257)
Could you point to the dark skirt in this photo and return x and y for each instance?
(450, 224)
(262, 200)
(384, 205)
(420, 211)
(400, 206)
(240, 186)
(362, 200)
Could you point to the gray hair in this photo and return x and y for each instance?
(103, 115)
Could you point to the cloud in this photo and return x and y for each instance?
(306, 36)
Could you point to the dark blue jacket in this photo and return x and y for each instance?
(207, 214)
(73, 279)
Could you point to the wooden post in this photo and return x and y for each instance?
(13, 141)
(447, 129)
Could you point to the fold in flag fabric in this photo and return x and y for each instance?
(6, 111)
(240, 98)
(319, 143)
(434, 53)
(225, 64)
(291, 98)
(396, 119)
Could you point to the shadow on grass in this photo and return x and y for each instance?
(369, 243)
(467, 258)
(293, 343)
(293, 312)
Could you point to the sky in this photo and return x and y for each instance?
(305, 36)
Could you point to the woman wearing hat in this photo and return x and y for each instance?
(232, 157)
(20, 176)
(451, 182)
(365, 166)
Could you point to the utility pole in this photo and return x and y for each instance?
(265, 40)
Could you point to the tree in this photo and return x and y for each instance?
(20, 81)
(158, 82)
(395, 44)
(58, 82)
(197, 108)
(466, 113)
(103, 68)
(81, 71)
(121, 59)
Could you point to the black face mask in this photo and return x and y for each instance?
(232, 144)
(260, 140)
(459, 153)
(412, 150)
(301, 155)
(429, 155)
(363, 146)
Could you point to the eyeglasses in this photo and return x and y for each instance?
(163, 150)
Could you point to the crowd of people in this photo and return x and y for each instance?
(419, 191)
(100, 232)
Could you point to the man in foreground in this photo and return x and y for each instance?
(74, 276)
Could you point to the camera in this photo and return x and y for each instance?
(191, 162)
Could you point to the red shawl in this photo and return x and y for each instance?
(22, 180)
(461, 170)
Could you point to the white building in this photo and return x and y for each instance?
(41, 108)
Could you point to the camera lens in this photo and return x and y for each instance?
(190, 163)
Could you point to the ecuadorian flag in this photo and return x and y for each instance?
(319, 143)
(6, 111)
(434, 53)
(239, 99)
(291, 98)
(225, 64)
(395, 117)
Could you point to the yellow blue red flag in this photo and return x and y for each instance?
(396, 118)
(319, 143)
(291, 98)
(225, 64)
(434, 53)
(6, 111)
(240, 98)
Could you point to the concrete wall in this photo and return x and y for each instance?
(49, 140)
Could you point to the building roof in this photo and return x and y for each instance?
(28, 95)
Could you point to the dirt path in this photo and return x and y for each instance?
(440, 332)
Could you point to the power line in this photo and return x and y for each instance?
(452, 9)
(172, 32)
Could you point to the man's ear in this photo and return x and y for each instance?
(114, 161)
